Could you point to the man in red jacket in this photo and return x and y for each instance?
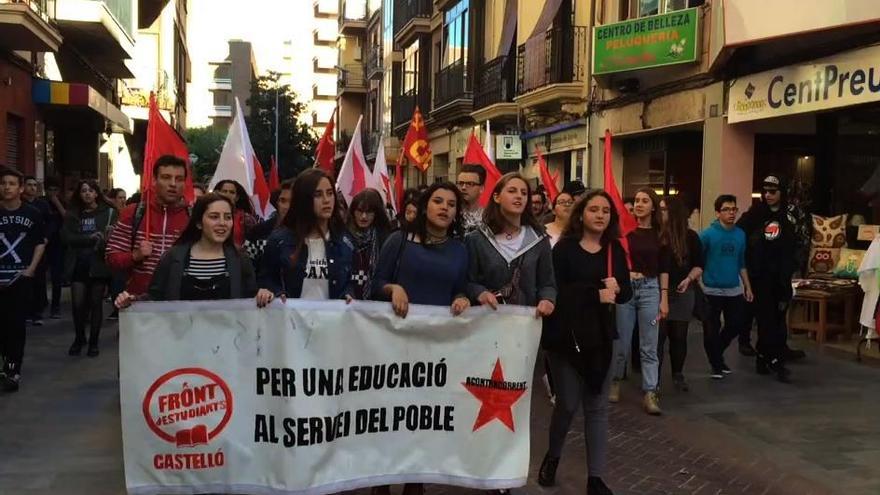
(128, 249)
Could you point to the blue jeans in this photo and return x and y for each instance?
(644, 308)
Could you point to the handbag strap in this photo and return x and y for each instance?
(400, 249)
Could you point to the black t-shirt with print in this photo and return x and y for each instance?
(21, 231)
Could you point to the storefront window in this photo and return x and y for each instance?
(670, 165)
(654, 7)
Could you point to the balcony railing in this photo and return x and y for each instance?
(42, 8)
(352, 77)
(406, 10)
(560, 56)
(374, 63)
(452, 83)
(495, 82)
(402, 107)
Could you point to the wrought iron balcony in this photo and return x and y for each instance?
(374, 63)
(351, 79)
(451, 84)
(495, 82)
(402, 107)
(410, 18)
(560, 56)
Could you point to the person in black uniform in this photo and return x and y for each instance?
(771, 245)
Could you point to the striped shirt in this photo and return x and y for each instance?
(206, 269)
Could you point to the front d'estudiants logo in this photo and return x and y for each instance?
(188, 406)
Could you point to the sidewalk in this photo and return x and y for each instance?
(745, 434)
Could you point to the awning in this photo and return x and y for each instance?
(79, 95)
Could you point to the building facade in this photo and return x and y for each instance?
(708, 97)
(162, 66)
(61, 101)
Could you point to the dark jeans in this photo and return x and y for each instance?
(54, 264)
(14, 309)
(676, 332)
(88, 306)
(745, 335)
(573, 393)
(771, 303)
(715, 338)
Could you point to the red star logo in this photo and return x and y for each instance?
(496, 402)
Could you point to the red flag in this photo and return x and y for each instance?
(162, 139)
(261, 189)
(475, 155)
(398, 181)
(415, 144)
(274, 182)
(628, 223)
(548, 180)
(325, 153)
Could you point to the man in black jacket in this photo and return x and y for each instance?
(770, 259)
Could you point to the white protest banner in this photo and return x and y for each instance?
(322, 397)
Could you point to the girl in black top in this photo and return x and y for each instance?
(368, 227)
(204, 263)
(84, 233)
(686, 267)
(591, 276)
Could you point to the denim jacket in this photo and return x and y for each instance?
(278, 274)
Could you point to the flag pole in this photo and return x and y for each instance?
(276, 122)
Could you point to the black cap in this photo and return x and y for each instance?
(771, 182)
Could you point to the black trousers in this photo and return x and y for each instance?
(771, 303)
(716, 338)
(14, 308)
(88, 305)
(676, 332)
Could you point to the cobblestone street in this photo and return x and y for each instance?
(746, 434)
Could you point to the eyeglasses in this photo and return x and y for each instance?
(564, 203)
(771, 191)
(729, 209)
(464, 183)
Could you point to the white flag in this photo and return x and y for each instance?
(354, 174)
(238, 162)
(380, 179)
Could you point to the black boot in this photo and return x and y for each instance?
(595, 486)
(547, 473)
(783, 374)
(76, 347)
(761, 365)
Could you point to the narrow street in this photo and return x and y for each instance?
(746, 434)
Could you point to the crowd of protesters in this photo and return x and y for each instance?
(563, 256)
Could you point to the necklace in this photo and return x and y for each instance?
(432, 239)
(510, 235)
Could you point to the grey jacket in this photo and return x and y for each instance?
(490, 271)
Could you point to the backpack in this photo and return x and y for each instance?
(139, 214)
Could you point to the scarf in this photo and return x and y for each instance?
(366, 253)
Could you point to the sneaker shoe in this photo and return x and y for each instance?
(679, 383)
(11, 382)
(93, 351)
(652, 404)
(55, 314)
(547, 473)
(783, 374)
(37, 322)
(761, 365)
(726, 369)
(614, 392)
(114, 315)
(76, 348)
(747, 350)
(716, 374)
(595, 486)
